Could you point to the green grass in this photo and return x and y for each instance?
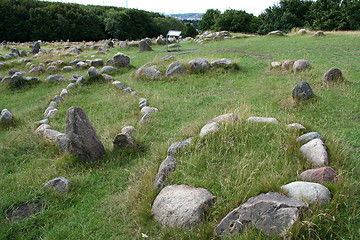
(112, 199)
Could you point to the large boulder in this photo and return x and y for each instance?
(181, 205)
(199, 63)
(302, 91)
(301, 65)
(121, 60)
(332, 76)
(168, 165)
(313, 193)
(144, 46)
(175, 68)
(324, 174)
(82, 139)
(315, 152)
(272, 213)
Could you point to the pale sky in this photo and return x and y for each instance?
(183, 6)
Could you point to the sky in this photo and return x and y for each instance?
(183, 6)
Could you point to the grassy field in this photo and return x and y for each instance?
(112, 199)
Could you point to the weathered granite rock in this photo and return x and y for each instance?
(143, 103)
(52, 69)
(228, 117)
(209, 128)
(315, 152)
(58, 99)
(121, 60)
(119, 84)
(71, 86)
(67, 68)
(18, 76)
(181, 205)
(40, 130)
(324, 174)
(6, 116)
(177, 146)
(301, 65)
(51, 134)
(332, 76)
(98, 62)
(175, 68)
(43, 121)
(107, 69)
(80, 79)
(168, 165)
(263, 119)
(106, 77)
(273, 213)
(222, 62)
(124, 140)
(59, 184)
(63, 143)
(296, 126)
(82, 65)
(37, 70)
(55, 78)
(308, 137)
(148, 110)
(92, 72)
(313, 193)
(82, 138)
(140, 71)
(199, 63)
(144, 46)
(123, 44)
(152, 72)
(302, 92)
(50, 112)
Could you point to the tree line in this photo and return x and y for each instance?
(30, 20)
(287, 14)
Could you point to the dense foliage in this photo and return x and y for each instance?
(28, 20)
(319, 14)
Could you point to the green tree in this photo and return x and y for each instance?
(190, 30)
(236, 21)
(325, 14)
(207, 21)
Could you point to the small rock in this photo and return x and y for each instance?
(5, 116)
(127, 90)
(302, 92)
(144, 46)
(324, 174)
(148, 110)
(128, 130)
(106, 77)
(80, 79)
(319, 34)
(92, 72)
(209, 128)
(82, 65)
(55, 78)
(52, 69)
(276, 65)
(175, 68)
(144, 118)
(107, 69)
(97, 62)
(301, 65)
(296, 126)
(199, 63)
(52, 113)
(64, 92)
(315, 152)
(168, 165)
(302, 32)
(181, 205)
(47, 111)
(51, 134)
(177, 146)
(53, 104)
(58, 99)
(40, 130)
(43, 121)
(140, 71)
(167, 58)
(124, 140)
(121, 60)
(228, 117)
(332, 76)
(308, 137)
(119, 84)
(143, 103)
(59, 184)
(71, 86)
(62, 142)
(221, 62)
(276, 33)
(313, 193)
(263, 119)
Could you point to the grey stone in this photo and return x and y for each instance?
(152, 72)
(63, 143)
(273, 213)
(6, 116)
(296, 126)
(315, 152)
(80, 79)
(181, 205)
(276, 65)
(37, 70)
(43, 121)
(127, 90)
(106, 77)
(92, 72)
(82, 65)
(53, 104)
(128, 130)
(324, 174)
(123, 44)
(124, 140)
(36, 48)
(302, 92)
(51, 134)
(107, 69)
(263, 119)
(168, 165)
(64, 93)
(74, 62)
(302, 32)
(52, 69)
(221, 62)
(121, 60)
(209, 128)
(71, 86)
(23, 53)
(228, 117)
(40, 130)
(148, 110)
(18, 76)
(119, 84)
(140, 71)
(46, 113)
(308, 137)
(144, 46)
(144, 118)
(58, 98)
(332, 76)
(143, 103)
(177, 146)
(59, 184)
(199, 63)
(98, 62)
(287, 65)
(82, 139)
(167, 58)
(301, 65)
(68, 69)
(32, 80)
(276, 33)
(55, 78)
(319, 34)
(312, 193)
(175, 68)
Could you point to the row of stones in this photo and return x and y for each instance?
(183, 205)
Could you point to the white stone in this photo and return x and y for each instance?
(295, 126)
(209, 128)
(263, 119)
(315, 152)
(147, 110)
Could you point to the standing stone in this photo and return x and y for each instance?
(121, 60)
(123, 44)
(23, 53)
(59, 184)
(315, 152)
(332, 76)
(301, 65)
(82, 139)
(199, 63)
(273, 213)
(324, 174)
(181, 205)
(5, 116)
(144, 46)
(302, 91)
(36, 48)
(92, 72)
(209, 128)
(175, 68)
(287, 65)
(313, 193)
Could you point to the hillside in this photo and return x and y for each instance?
(112, 198)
